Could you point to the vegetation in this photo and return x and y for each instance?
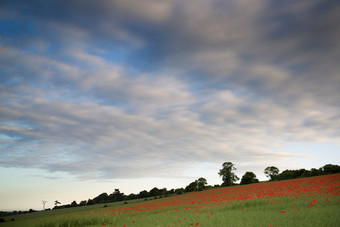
(299, 202)
(249, 178)
(228, 176)
(271, 172)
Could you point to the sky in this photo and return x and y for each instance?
(106, 94)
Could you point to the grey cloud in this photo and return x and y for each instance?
(261, 85)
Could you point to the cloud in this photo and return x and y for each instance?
(120, 89)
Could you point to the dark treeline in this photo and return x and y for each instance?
(198, 185)
(292, 174)
(228, 177)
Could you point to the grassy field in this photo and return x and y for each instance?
(308, 202)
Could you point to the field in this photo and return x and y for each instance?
(313, 201)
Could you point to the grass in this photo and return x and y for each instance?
(300, 202)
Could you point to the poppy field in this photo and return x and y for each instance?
(313, 201)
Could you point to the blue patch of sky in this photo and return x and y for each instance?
(319, 154)
(12, 31)
(113, 54)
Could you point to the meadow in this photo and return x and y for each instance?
(313, 201)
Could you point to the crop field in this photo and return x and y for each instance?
(313, 201)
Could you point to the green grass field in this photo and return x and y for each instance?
(308, 202)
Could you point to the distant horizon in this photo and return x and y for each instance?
(237, 183)
(98, 95)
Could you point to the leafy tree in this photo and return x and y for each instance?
(154, 192)
(329, 169)
(271, 172)
(90, 202)
(143, 194)
(201, 183)
(249, 178)
(102, 198)
(192, 186)
(116, 196)
(228, 177)
(132, 196)
(82, 203)
(179, 191)
(163, 191)
(74, 204)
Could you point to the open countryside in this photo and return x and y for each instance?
(313, 201)
(121, 113)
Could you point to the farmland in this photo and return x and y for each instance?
(313, 201)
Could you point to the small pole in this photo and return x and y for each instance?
(44, 202)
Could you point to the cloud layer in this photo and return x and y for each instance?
(128, 89)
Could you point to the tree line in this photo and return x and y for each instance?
(229, 178)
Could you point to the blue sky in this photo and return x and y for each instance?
(98, 95)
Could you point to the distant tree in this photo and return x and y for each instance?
(179, 191)
(132, 196)
(90, 202)
(249, 178)
(329, 169)
(82, 203)
(192, 186)
(163, 191)
(201, 183)
(227, 174)
(56, 203)
(116, 196)
(271, 172)
(102, 198)
(74, 204)
(154, 192)
(143, 194)
(314, 172)
(287, 174)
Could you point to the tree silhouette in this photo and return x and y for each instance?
(249, 178)
(271, 172)
(56, 203)
(228, 177)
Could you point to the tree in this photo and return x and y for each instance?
(201, 183)
(329, 169)
(56, 203)
(74, 204)
(154, 192)
(271, 172)
(82, 203)
(249, 178)
(102, 198)
(143, 194)
(191, 187)
(116, 196)
(228, 177)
